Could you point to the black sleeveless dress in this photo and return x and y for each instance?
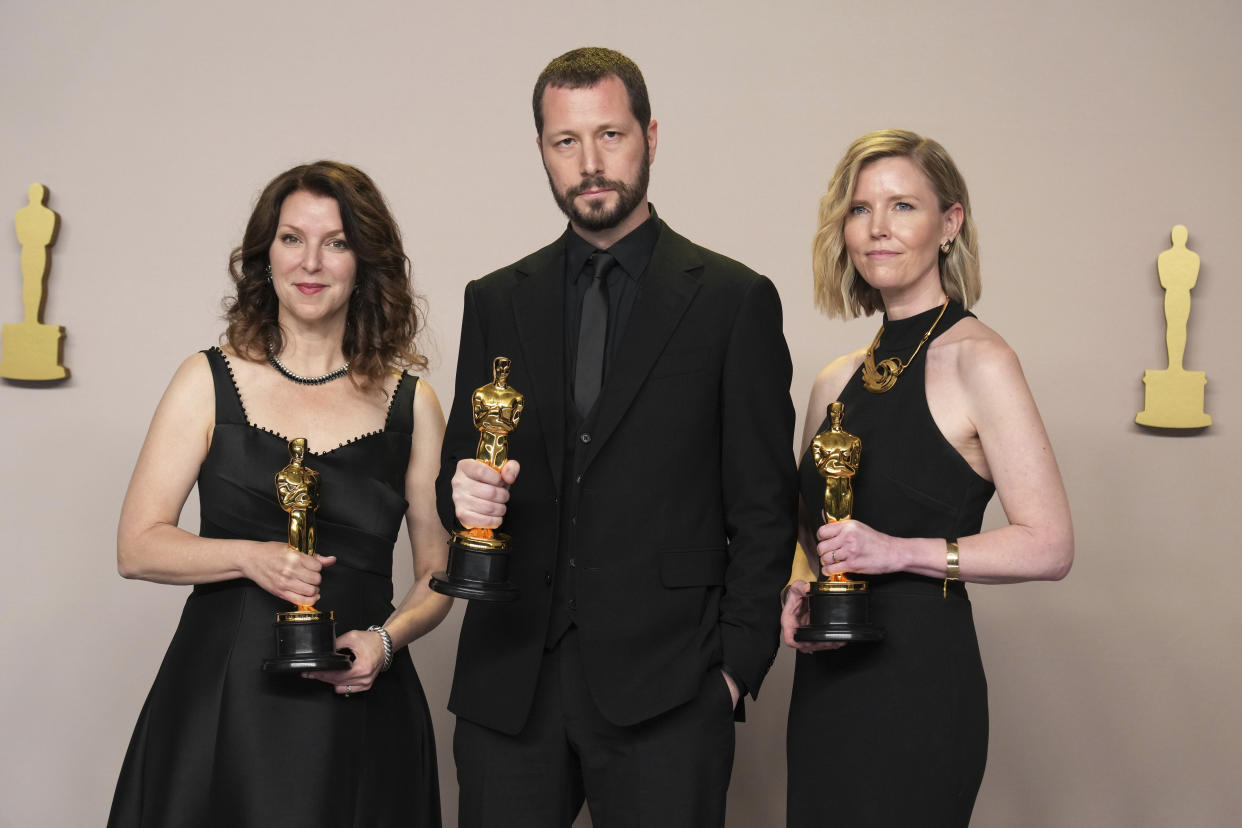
(895, 733)
(220, 743)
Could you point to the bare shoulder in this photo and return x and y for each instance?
(428, 436)
(427, 405)
(192, 384)
(188, 405)
(976, 356)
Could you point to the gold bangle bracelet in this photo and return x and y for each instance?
(952, 571)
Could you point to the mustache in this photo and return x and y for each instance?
(596, 182)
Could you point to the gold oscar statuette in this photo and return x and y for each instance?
(1173, 397)
(839, 606)
(305, 636)
(478, 556)
(32, 351)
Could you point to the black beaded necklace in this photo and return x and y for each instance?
(301, 380)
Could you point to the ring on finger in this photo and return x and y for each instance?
(834, 556)
(349, 690)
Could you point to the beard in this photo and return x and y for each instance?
(598, 216)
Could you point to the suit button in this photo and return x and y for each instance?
(585, 438)
(573, 605)
(547, 577)
(578, 480)
(572, 562)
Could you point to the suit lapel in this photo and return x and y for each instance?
(670, 283)
(539, 308)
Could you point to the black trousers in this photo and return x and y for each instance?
(672, 770)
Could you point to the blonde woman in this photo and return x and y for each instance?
(896, 731)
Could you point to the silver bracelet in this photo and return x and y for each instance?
(387, 639)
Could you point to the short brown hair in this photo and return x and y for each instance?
(839, 291)
(384, 316)
(585, 67)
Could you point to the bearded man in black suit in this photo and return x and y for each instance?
(654, 514)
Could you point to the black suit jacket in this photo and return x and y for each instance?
(686, 510)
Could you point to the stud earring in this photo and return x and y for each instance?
(946, 246)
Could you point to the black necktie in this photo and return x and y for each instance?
(592, 332)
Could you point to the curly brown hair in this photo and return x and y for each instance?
(385, 316)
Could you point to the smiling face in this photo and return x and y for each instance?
(313, 267)
(893, 233)
(598, 158)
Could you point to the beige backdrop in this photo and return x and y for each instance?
(1086, 131)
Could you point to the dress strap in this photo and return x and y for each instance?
(401, 409)
(228, 402)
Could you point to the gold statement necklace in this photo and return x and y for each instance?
(879, 378)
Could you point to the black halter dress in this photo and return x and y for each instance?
(895, 733)
(220, 743)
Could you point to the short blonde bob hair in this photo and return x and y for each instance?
(839, 291)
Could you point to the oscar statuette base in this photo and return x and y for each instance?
(1174, 399)
(477, 569)
(305, 641)
(32, 352)
(840, 611)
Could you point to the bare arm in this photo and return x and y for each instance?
(422, 608)
(1038, 543)
(980, 399)
(151, 547)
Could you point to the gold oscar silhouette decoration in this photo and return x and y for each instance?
(839, 606)
(1173, 397)
(478, 561)
(305, 637)
(32, 350)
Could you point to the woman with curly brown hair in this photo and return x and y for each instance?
(320, 331)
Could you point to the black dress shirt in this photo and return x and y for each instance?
(632, 253)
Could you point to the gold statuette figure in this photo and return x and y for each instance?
(1173, 398)
(497, 410)
(836, 454)
(478, 556)
(305, 637)
(839, 605)
(297, 489)
(32, 350)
